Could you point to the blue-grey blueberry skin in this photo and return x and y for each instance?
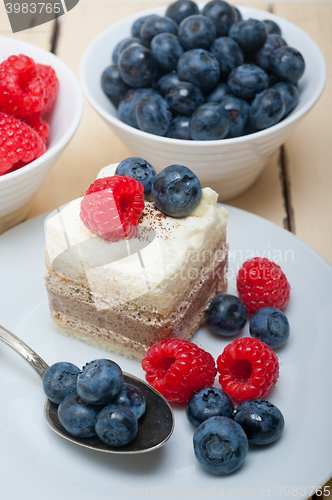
(184, 98)
(261, 420)
(157, 24)
(136, 26)
(210, 122)
(181, 9)
(220, 445)
(113, 85)
(131, 397)
(166, 82)
(124, 44)
(238, 14)
(272, 27)
(267, 109)
(197, 32)
(207, 403)
(221, 14)
(176, 191)
(153, 115)
(179, 128)
(290, 95)
(262, 57)
(99, 381)
(238, 110)
(140, 170)
(287, 64)
(228, 54)
(60, 380)
(247, 80)
(226, 315)
(77, 416)
(250, 35)
(220, 91)
(271, 326)
(127, 105)
(116, 425)
(138, 66)
(167, 50)
(199, 67)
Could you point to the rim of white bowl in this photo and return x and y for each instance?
(54, 149)
(294, 115)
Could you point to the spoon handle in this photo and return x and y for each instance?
(37, 363)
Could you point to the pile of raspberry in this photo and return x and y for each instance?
(27, 94)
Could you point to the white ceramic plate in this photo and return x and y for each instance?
(37, 464)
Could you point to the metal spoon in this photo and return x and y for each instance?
(155, 426)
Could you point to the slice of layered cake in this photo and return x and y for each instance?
(124, 293)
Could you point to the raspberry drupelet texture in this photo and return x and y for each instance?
(50, 83)
(38, 125)
(262, 283)
(248, 369)
(178, 368)
(112, 206)
(19, 144)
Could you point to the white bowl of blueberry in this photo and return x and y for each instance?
(211, 86)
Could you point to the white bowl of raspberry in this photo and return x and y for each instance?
(230, 164)
(44, 106)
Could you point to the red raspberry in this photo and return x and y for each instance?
(178, 368)
(261, 283)
(18, 143)
(50, 83)
(39, 125)
(248, 369)
(112, 206)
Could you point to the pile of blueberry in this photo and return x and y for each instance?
(95, 401)
(205, 75)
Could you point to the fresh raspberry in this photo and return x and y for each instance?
(112, 206)
(248, 369)
(50, 83)
(178, 368)
(262, 283)
(39, 125)
(18, 143)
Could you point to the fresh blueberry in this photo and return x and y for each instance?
(167, 50)
(220, 91)
(115, 53)
(99, 381)
(247, 80)
(261, 420)
(272, 43)
(153, 115)
(138, 66)
(77, 416)
(124, 44)
(184, 98)
(220, 445)
(116, 425)
(140, 170)
(287, 64)
(180, 9)
(228, 54)
(179, 128)
(199, 67)
(136, 27)
(290, 95)
(176, 191)
(158, 24)
(238, 13)
(131, 397)
(267, 109)
(207, 403)
(238, 110)
(60, 380)
(113, 84)
(269, 325)
(196, 32)
(166, 82)
(250, 34)
(226, 315)
(221, 14)
(127, 106)
(272, 27)
(210, 122)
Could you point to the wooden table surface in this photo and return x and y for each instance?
(294, 191)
